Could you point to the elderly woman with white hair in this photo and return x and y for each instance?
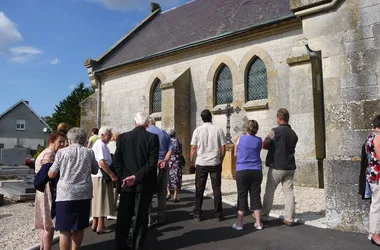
(103, 202)
(74, 164)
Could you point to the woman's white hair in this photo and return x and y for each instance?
(141, 119)
(151, 120)
(103, 130)
(77, 135)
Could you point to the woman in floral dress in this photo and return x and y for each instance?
(175, 167)
(42, 209)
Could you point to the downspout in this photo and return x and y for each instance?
(319, 109)
(98, 120)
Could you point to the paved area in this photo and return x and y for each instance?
(181, 232)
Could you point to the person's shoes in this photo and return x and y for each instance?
(176, 200)
(288, 223)
(234, 226)
(220, 218)
(104, 231)
(374, 242)
(168, 197)
(161, 221)
(197, 217)
(111, 217)
(152, 223)
(259, 227)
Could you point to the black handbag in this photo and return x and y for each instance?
(106, 176)
(182, 160)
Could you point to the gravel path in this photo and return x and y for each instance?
(17, 219)
(17, 226)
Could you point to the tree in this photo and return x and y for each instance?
(68, 110)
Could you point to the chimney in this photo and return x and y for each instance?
(27, 102)
(154, 6)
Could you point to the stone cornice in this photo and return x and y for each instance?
(303, 8)
(298, 59)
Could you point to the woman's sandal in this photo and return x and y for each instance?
(176, 200)
(104, 231)
(168, 197)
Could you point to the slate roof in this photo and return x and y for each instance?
(26, 103)
(194, 23)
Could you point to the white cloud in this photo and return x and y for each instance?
(72, 86)
(125, 5)
(55, 61)
(23, 54)
(8, 31)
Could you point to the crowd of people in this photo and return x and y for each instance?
(78, 177)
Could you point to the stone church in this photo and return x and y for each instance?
(317, 58)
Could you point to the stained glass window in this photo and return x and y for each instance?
(156, 97)
(223, 88)
(257, 87)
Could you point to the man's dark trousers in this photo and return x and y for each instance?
(201, 175)
(131, 203)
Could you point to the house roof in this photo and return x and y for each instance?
(192, 24)
(26, 103)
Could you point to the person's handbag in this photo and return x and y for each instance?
(106, 176)
(182, 160)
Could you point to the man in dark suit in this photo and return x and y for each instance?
(135, 162)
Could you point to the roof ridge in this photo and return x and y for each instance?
(179, 6)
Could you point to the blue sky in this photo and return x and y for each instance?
(44, 43)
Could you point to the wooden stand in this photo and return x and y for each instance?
(229, 163)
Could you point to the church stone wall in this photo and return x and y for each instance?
(124, 94)
(349, 40)
(88, 113)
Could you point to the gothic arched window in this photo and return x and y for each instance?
(223, 88)
(156, 97)
(256, 83)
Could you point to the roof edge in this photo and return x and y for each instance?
(135, 29)
(30, 108)
(201, 42)
(81, 103)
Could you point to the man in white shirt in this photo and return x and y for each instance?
(208, 143)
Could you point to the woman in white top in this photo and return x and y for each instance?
(103, 201)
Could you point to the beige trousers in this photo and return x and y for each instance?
(374, 211)
(274, 178)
